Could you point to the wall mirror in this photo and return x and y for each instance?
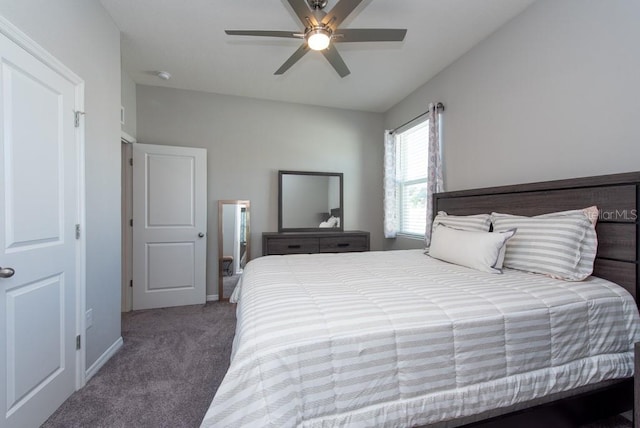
(310, 201)
(233, 244)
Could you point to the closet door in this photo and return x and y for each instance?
(169, 226)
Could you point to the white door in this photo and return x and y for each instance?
(169, 226)
(39, 209)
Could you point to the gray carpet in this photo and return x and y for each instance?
(167, 372)
(614, 422)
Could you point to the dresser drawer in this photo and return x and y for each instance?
(314, 242)
(292, 245)
(344, 244)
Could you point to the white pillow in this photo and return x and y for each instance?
(473, 249)
(331, 222)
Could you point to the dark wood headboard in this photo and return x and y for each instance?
(616, 196)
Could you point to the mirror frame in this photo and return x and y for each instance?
(282, 229)
(221, 203)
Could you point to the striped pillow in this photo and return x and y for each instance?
(562, 245)
(478, 222)
(590, 243)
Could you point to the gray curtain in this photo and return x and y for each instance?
(389, 185)
(435, 182)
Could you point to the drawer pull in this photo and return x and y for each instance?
(345, 244)
(293, 246)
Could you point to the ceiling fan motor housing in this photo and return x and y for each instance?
(317, 4)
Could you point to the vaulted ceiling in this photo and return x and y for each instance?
(187, 39)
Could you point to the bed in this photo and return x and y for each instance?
(400, 339)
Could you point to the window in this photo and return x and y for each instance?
(412, 174)
(412, 154)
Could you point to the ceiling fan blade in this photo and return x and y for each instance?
(293, 59)
(336, 61)
(369, 35)
(287, 34)
(339, 12)
(304, 13)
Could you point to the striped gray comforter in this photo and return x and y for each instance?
(399, 339)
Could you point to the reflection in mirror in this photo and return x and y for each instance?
(233, 244)
(310, 201)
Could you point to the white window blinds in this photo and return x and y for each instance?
(412, 146)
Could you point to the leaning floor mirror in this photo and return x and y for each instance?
(233, 244)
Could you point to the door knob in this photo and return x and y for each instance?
(200, 235)
(6, 272)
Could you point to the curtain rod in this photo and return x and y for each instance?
(439, 106)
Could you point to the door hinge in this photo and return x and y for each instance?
(77, 117)
(77, 231)
(131, 222)
(131, 161)
(78, 342)
(131, 283)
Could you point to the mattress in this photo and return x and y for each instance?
(397, 338)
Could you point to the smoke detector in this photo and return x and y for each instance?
(164, 75)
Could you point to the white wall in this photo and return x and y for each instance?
(128, 98)
(249, 140)
(553, 94)
(83, 37)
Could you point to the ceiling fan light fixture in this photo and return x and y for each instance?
(318, 39)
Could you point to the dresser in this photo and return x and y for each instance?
(274, 243)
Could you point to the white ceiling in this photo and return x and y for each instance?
(187, 39)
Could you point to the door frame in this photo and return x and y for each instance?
(127, 142)
(18, 37)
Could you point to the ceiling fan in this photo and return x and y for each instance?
(321, 31)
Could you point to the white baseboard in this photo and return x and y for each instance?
(212, 297)
(110, 352)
